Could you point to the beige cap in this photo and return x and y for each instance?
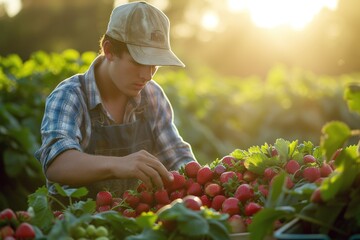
(145, 30)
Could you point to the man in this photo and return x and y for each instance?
(113, 125)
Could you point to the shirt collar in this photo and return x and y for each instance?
(92, 90)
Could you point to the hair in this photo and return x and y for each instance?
(117, 47)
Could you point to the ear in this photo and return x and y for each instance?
(107, 47)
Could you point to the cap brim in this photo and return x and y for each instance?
(154, 56)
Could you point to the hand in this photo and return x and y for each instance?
(144, 166)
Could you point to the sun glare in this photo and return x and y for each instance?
(273, 13)
(210, 20)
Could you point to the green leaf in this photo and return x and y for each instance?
(146, 220)
(263, 221)
(334, 135)
(147, 234)
(352, 96)
(71, 192)
(218, 230)
(276, 194)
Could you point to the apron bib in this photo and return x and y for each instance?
(118, 140)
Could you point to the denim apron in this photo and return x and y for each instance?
(118, 140)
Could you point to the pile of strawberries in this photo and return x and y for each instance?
(14, 225)
(225, 185)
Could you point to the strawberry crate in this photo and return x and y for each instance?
(296, 230)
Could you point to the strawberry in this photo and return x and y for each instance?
(161, 196)
(325, 170)
(23, 216)
(141, 187)
(204, 175)
(274, 151)
(316, 196)
(146, 197)
(309, 159)
(217, 202)
(269, 173)
(192, 202)
(264, 190)
(251, 208)
(7, 213)
(244, 192)
(103, 198)
(6, 231)
(191, 169)
(219, 169)
(206, 201)
(195, 189)
(142, 207)
(104, 208)
(130, 213)
(249, 176)
(292, 166)
(228, 161)
(226, 176)
(213, 189)
(189, 182)
(25, 231)
(311, 174)
(180, 193)
(237, 224)
(239, 176)
(231, 206)
(131, 198)
(177, 183)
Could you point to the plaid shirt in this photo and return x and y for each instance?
(66, 123)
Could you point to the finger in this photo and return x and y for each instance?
(145, 179)
(154, 176)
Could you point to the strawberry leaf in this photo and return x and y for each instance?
(352, 96)
(146, 220)
(71, 192)
(334, 135)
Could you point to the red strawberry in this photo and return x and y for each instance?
(104, 208)
(237, 224)
(142, 207)
(146, 197)
(274, 151)
(231, 206)
(325, 170)
(141, 187)
(195, 189)
(309, 159)
(131, 198)
(7, 213)
(204, 175)
(264, 190)
(206, 201)
(23, 216)
(251, 208)
(192, 202)
(239, 176)
(249, 176)
(228, 161)
(269, 173)
(244, 192)
(213, 189)
(311, 174)
(191, 169)
(219, 169)
(180, 193)
(161, 196)
(292, 166)
(217, 202)
(316, 196)
(226, 176)
(178, 182)
(130, 213)
(189, 182)
(103, 198)
(25, 231)
(6, 231)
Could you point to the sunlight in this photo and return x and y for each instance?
(269, 14)
(12, 7)
(210, 20)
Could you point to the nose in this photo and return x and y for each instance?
(147, 72)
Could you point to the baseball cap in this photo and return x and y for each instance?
(145, 30)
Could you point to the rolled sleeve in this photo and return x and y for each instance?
(61, 125)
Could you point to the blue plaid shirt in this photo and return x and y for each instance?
(66, 123)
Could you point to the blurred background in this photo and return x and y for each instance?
(256, 71)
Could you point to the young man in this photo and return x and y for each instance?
(113, 125)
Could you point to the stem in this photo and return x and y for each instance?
(57, 201)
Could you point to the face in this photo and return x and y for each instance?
(128, 76)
